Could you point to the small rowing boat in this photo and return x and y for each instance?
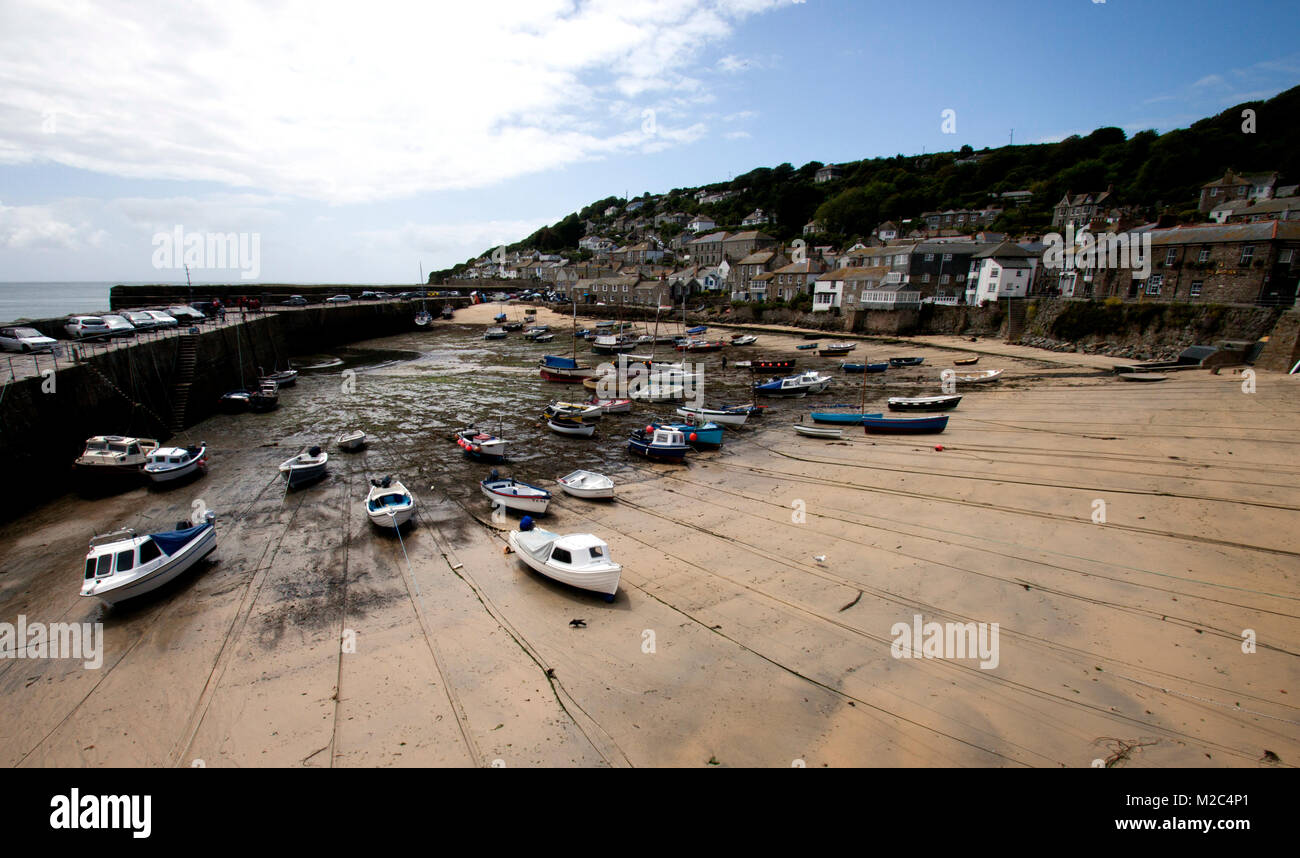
(721, 416)
(351, 440)
(512, 494)
(837, 417)
(864, 367)
(806, 347)
(389, 503)
(945, 402)
(979, 377)
(744, 340)
(906, 361)
(905, 425)
(819, 432)
(587, 484)
(576, 428)
(306, 467)
(966, 361)
(1142, 376)
(706, 434)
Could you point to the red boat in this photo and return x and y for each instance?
(700, 346)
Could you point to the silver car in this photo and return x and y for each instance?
(140, 319)
(118, 326)
(163, 320)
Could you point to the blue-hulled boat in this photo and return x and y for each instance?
(905, 425)
(841, 417)
(557, 362)
(697, 330)
(697, 434)
(864, 367)
(666, 444)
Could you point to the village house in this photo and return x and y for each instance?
(887, 231)
(707, 249)
(1249, 263)
(701, 223)
(1257, 186)
(609, 290)
(755, 218)
(1015, 199)
(1254, 211)
(828, 173)
(1005, 270)
(680, 218)
(813, 227)
(796, 279)
(960, 218)
(746, 282)
(652, 293)
(1082, 209)
(741, 244)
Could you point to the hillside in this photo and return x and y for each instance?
(1161, 173)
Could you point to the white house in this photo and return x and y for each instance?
(1004, 271)
(701, 224)
(755, 218)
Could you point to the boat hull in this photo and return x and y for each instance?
(198, 548)
(605, 581)
(177, 473)
(301, 476)
(860, 368)
(905, 426)
(819, 432)
(924, 403)
(535, 504)
(573, 428)
(658, 452)
(723, 418)
(841, 419)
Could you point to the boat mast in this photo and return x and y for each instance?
(862, 403)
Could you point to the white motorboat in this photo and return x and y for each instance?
(721, 416)
(815, 381)
(576, 428)
(578, 412)
(746, 340)
(979, 377)
(115, 455)
(172, 463)
(481, 445)
(611, 406)
(353, 439)
(587, 484)
(827, 432)
(494, 334)
(305, 467)
(389, 503)
(578, 559)
(122, 564)
(510, 493)
(794, 385)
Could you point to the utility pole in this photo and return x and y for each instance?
(1013, 137)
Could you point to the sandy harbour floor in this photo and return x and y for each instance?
(730, 643)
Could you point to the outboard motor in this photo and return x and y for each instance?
(493, 475)
(314, 452)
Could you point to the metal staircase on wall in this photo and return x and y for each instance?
(186, 360)
(1015, 320)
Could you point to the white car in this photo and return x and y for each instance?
(338, 299)
(25, 340)
(118, 326)
(82, 327)
(163, 320)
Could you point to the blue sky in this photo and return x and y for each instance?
(359, 149)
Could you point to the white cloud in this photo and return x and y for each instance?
(737, 135)
(343, 104)
(439, 239)
(37, 228)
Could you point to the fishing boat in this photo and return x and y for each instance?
(864, 367)
(794, 385)
(236, 401)
(543, 338)
(697, 345)
(122, 564)
(608, 344)
(742, 364)
(587, 484)
(536, 331)
(512, 494)
(979, 377)
(707, 434)
(166, 464)
(1142, 376)
(494, 334)
(806, 347)
(499, 318)
(578, 559)
(576, 428)
(282, 378)
(513, 326)
(819, 432)
(306, 467)
(906, 361)
(564, 370)
(750, 410)
(971, 361)
(744, 340)
(611, 406)
(423, 318)
(580, 412)
(447, 311)
(697, 330)
(656, 391)
(353, 439)
(773, 364)
(720, 416)
(905, 425)
(265, 398)
(389, 503)
(836, 349)
(481, 445)
(114, 455)
(666, 444)
(945, 402)
(838, 417)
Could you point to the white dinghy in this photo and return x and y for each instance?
(389, 503)
(828, 432)
(353, 439)
(587, 484)
(305, 467)
(122, 564)
(512, 494)
(578, 559)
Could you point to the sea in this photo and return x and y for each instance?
(48, 300)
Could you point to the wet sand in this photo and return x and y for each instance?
(730, 643)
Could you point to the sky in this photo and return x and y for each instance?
(368, 143)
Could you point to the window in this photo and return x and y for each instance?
(929, 257)
(925, 278)
(1214, 192)
(1204, 255)
(90, 568)
(561, 555)
(1196, 288)
(149, 550)
(104, 566)
(947, 257)
(1247, 254)
(1170, 256)
(1154, 284)
(125, 560)
(1284, 257)
(961, 278)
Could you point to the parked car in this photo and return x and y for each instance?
(182, 313)
(338, 299)
(369, 296)
(162, 319)
(86, 327)
(384, 296)
(141, 320)
(295, 301)
(25, 340)
(118, 325)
